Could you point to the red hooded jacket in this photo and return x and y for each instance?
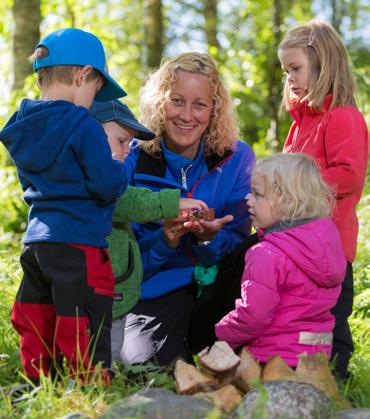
(338, 140)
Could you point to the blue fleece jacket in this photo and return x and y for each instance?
(66, 171)
(221, 181)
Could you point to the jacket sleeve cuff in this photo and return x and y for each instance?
(211, 252)
(162, 248)
(170, 203)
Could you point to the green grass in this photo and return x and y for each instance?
(358, 388)
(54, 400)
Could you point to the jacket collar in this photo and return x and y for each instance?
(176, 162)
(284, 225)
(302, 108)
(156, 165)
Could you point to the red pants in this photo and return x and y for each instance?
(64, 306)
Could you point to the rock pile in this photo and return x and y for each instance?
(224, 378)
(227, 386)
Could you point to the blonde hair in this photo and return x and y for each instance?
(294, 187)
(48, 76)
(329, 66)
(221, 133)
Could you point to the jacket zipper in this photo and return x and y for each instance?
(183, 176)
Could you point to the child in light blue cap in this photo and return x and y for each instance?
(71, 184)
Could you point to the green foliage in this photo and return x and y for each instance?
(251, 66)
(362, 264)
(118, 24)
(13, 210)
(5, 13)
(10, 273)
(357, 389)
(55, 399)
(62, 396)
(135, 377)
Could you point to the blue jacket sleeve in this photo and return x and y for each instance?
(154, 251)
(105, 178)
(236, 231)
(25, 184)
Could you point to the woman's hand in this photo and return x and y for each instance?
(204, 230)
(207, 230)
(187, 204)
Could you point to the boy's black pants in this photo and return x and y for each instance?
(64, 306)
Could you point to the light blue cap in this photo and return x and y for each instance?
(73, 46)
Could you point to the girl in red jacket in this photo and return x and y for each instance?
(319, 94)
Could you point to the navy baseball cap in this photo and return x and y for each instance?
(77, 47)
(116, 111)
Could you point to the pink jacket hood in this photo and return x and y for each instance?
(313, 250)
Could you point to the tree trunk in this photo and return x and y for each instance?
(153, 32)
(210, 23)
(27, 19)
(275, 76)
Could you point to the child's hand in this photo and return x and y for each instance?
(187, 204)
(173, 230)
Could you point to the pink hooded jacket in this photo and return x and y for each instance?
(291, 280)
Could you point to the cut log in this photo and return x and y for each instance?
(226, 398)
(277, 369)
(189, 380)
(220, 361)
(248, 372)
(315, 370)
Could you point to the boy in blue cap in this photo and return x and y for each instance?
(71, 183)
(136, 204)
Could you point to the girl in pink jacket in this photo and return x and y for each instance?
(292, 277)
(319, 94)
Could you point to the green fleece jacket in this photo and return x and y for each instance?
(140, 205)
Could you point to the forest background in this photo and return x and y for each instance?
(242, 36)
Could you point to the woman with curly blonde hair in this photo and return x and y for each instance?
(221, 133)
(186, 104)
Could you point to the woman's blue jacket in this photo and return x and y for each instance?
(221, 181)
